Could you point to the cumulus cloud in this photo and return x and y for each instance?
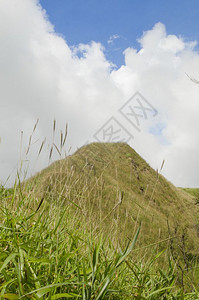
(42, 77)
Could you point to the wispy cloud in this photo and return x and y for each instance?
(113, 38)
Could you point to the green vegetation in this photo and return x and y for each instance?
(100, 224)
(194, 193)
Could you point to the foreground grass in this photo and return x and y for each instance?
(46, 253)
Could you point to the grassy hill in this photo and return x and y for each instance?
(63, 231)
(112, 188)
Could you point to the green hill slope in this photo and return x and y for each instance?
(111, 189)
(193, 192)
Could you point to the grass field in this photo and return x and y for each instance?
(100, 224)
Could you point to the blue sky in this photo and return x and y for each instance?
(81, 21)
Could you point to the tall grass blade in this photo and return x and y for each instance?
(8, 260)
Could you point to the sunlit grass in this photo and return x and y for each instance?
(44, 256)
(100, 224)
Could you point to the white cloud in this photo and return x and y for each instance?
(42, 77)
